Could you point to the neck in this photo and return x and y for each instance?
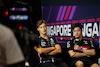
(80, 38)
(44, 36)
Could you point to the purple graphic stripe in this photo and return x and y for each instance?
(61, 41)
(72, 12)
(67, 12)
(63, 13)
(63, 38)
(59, 13)
(49, 14)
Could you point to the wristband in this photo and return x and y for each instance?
(81, 49)
(74, 54)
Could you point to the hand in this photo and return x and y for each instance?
(53, 48)
(77, 47)
(88, 56)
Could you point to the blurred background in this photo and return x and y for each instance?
(21, 16)
(21, 13)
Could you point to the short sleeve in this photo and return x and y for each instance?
(13, 52)
(69, 45)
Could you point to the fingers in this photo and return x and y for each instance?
(77, 47)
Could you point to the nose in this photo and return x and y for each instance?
(76, 33)
(43, 28)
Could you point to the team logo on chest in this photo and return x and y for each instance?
(68, 44)
(43, 43)
(52, 42)
(85, 42)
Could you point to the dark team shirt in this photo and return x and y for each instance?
(84, 44)
(51, 41)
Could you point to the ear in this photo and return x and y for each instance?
(37, 29)
(73, 30)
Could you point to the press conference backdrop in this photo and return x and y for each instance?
(61, 18)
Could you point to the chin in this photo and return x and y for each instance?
(44, 33)
(76, 36)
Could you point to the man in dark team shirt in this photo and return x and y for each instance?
(80, 49)
(48, 48)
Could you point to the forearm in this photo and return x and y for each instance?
(78, 54)
(54, 52)
(90, 52)
(47, 50)
(41, 50)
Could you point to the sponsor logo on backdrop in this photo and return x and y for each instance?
(90, 28)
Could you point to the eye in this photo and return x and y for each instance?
(40, 27)
(44, 26)
(78, 30)
(74, 31)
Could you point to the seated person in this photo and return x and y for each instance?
(48, 48)
(80, 49)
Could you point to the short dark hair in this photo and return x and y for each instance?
(40, 22)
(77, 25)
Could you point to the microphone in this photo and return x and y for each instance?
(76, 41)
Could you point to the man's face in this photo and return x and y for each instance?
(77, 32)
(42, 29)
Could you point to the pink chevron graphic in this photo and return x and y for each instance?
(72, 12)
(59, 13)
(67, 13)
(63, 13)
(49, 14)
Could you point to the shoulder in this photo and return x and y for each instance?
(5, 30)
(6, 34)
(40, 39)
(52, 37)
(86, 40)
(90, 42)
